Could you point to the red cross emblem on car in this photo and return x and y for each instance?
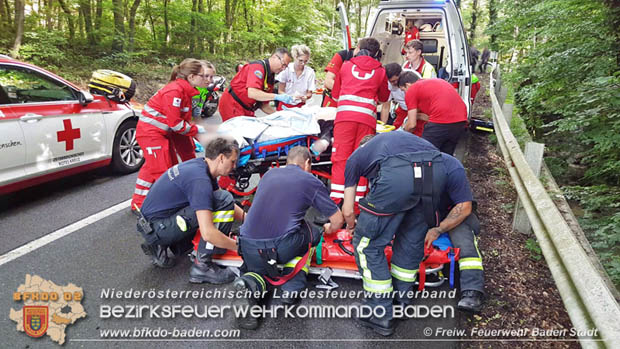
(68, 134)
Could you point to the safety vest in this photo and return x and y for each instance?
(406, 180)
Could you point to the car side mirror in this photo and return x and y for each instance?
(85, 97)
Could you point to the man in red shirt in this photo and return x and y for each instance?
(412, 33)
(361, 82)
(332, 69)
(253, 85)
(447, 113)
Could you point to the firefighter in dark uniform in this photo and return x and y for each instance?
(414, 181)
(253, 85)
(275, 231)
(186, 198)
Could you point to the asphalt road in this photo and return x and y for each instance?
(105, 255)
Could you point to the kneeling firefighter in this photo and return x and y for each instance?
(185, 198)
(410, 181)
(275, 232)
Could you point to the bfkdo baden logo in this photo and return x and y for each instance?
(48, 308)
(36, 318)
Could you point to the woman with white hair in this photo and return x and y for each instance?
(297, 80)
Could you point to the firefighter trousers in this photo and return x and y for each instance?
(177, 230)
(288, 250)
(372, 234)
(470, 260)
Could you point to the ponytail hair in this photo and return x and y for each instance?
(187, 67)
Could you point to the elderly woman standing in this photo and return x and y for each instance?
(297, 80)
(167, 113)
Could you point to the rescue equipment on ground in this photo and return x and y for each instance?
(335, 257)
(481, 125)
(441, 252)
(113, 85)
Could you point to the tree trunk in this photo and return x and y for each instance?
(368, 7)
(358, 18)
(149, 14)
(119, 27)
(4, 20)
(201, 38)
(49, 8)
(474, 18)
(7, 7)
(166, 25)
(192, 24)
(69, 16)
(492, 21)
(614, 22)
(248, 25)
(132, 22)
(98, 14)
(19, 26)
(88, 20)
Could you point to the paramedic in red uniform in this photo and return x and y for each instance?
(361, 82)
(437, 98)
(331, 71)
(412, 33)
(184, 145)
(393, 71)
(253, 85)
(166, 113)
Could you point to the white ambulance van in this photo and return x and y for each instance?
(441, 32)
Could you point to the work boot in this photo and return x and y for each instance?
(471, 301)
(245, 320)
(290, 300)
(206, 271)
(159, 255)
(382, 326)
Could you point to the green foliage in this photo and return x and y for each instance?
(601, 222)
(563, 61)
(44, 48)
(167, 32)
(566, 79)
(535, 251)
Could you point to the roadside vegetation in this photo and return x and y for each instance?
(562, 59)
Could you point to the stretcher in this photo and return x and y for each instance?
(335, 256)
(265, 142)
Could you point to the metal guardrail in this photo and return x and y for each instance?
(590, 304)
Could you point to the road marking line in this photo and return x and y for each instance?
(51, 237)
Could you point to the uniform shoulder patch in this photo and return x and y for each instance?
(258, 73)
(176, 102)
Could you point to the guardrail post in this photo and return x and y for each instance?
(534, 157)
(507, 110)
(501, 97)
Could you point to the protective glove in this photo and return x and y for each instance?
(201, 129)
(199, 147)
(284, 98)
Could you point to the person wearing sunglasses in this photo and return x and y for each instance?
(297, 79)
(253, 87)
(168, 112)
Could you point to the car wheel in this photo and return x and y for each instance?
(126, 154)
